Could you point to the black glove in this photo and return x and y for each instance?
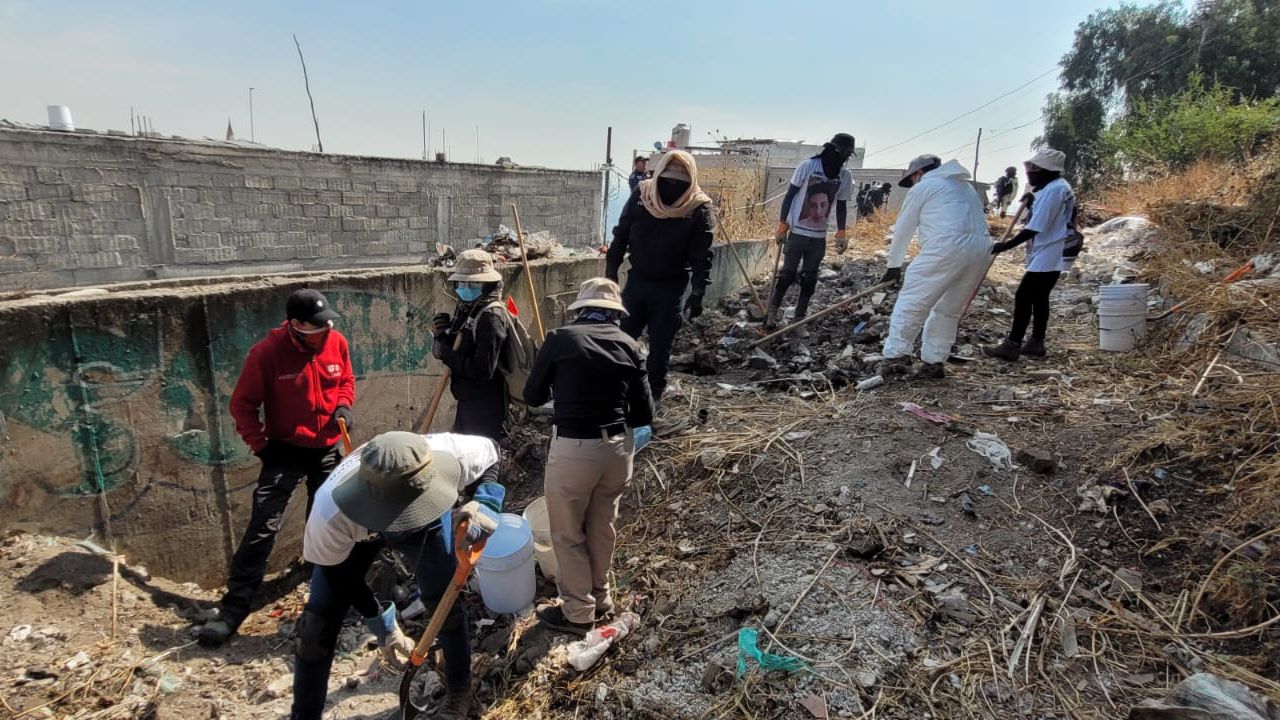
(893, 275)
(1000, 247)
(440, 323)
(344, 414)
(1027, 199)
(693, 305)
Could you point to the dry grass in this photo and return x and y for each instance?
(1228, 425)
(737, 192)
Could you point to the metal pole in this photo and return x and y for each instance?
(608, 169)
(252, 136)
(424, 134)
(976, 147)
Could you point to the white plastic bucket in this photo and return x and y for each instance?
(60, 118)
(504, 572)
(1122, 316)
(540, 524)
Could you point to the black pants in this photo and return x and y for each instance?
(482, 410)
(1032, 301)
(284, 467)
(654, 304)
(805, 255)
(334, 589)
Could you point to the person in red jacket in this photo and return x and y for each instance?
(295, 386)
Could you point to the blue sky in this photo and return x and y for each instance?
(542, 80)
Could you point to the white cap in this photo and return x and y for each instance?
(1049, 159)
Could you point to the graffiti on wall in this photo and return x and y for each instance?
(132, 400)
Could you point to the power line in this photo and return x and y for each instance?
(965, 114)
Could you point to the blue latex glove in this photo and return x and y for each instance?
(383, 625)
(491, 495)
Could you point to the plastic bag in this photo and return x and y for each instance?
(749, 647)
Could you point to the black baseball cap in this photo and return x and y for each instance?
(309, 306)
(843, 142)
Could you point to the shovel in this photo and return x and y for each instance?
(467, 557)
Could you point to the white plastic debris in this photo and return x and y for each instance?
(586, 652)
(872, 382)
(20, 633)
(935, 460)
(990, 446)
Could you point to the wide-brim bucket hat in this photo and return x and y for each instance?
(474, 265)
(599, 293)
(401, 484)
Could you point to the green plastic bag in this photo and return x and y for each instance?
(749, 647)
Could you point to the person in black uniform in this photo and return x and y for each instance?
(665, 230)
(469, 343)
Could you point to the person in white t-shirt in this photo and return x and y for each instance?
(397, 490)
(1045, 234)
(802, 226)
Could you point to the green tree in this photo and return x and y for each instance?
(1201, 122)
(1073, 123)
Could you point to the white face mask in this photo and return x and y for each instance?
(328, 325)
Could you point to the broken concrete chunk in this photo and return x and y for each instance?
(1040, 461)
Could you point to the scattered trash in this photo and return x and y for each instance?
(586, 652)
(1205, 696)
(872, 382)
(79, 660)
(761, 360)
(1097, 497)
(797, 435)
(935, 460)
(927, 416)
(749, 649)
(20, 633)
(986, 490)
(990, 446)
(816, 705)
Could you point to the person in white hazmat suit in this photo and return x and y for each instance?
(945, 213)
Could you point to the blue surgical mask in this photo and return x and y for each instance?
(469, 294)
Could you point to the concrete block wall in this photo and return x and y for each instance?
(113, 406)
(85, 209)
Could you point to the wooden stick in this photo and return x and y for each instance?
(822, 313)
(728, 241)
(307, 84)
(423, 422)
(346, 439)
(528, 276)
(777, 268)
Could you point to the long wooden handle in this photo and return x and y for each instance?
(528, 276)
(423, 422)
(346, 439)
(822, 313)
(466, 557)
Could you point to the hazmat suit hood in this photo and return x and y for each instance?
(948, 169)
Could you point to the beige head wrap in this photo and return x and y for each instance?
(683, 168)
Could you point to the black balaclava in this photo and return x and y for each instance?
(832, 160)
(670, 190)
(1041, 177)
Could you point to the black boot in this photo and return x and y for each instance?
(930, 371)
(1007, 351)
(1034, 348)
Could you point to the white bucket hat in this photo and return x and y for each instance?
(1049, 159)
(599, 293)
(474, 265)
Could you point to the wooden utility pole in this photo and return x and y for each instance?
(976, 146)
(424, 134)
(608, 170)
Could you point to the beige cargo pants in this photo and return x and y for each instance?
(584, 483)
